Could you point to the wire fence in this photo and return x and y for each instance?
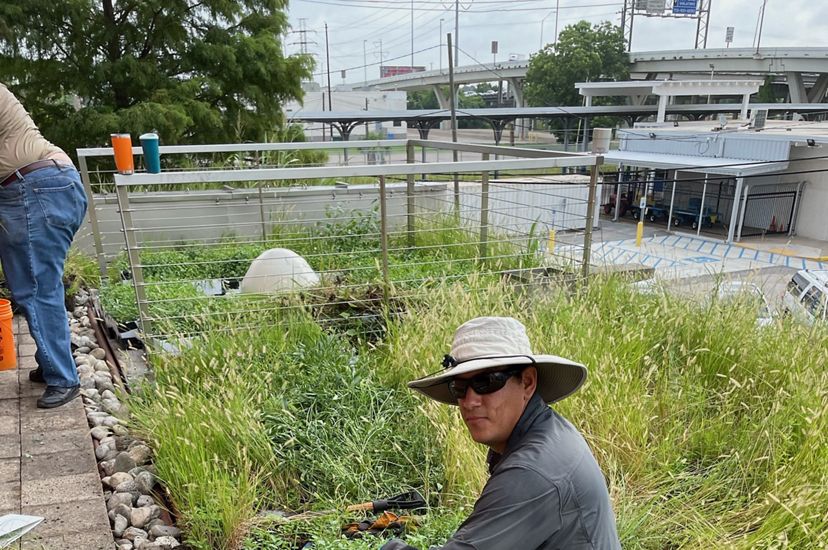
(206, 250)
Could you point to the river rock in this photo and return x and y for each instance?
(124, 462)
(107, 467)
(121, 510)
(140, 453)
(167, 543)
(101, 366)
(145, 481)
(144, 500)
(133, 533)
(165, 531)
(119, 526)
(82, 359)
(110, 421)
(118, 498)
(119, 430)
(87, 383)
(98, 353)
(118, 478)
(101, 451)
(140, 516)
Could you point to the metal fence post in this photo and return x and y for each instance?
(93, 215)
(133, 255)
(593, 185)
(262, 213)
(384, 237)
(484, 211)
(409, 159)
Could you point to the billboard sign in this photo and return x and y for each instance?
(685, 7)
(394, 70)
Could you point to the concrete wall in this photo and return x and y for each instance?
(167, 219)
(812, 220)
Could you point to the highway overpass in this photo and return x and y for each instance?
(804, 70)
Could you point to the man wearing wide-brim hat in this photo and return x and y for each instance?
(546, 490)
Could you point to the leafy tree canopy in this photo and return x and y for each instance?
(197, 71)
(584, 53)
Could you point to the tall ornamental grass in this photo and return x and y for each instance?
(711, 431)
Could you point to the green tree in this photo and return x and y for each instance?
(422, 99)
(766, 92)
(197, 71)
(584, 53)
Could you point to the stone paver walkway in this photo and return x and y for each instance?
(47, 463)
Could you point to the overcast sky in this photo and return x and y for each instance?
(356, 28)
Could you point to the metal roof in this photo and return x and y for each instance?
(704, 165)
(546, 112)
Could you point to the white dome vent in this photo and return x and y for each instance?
(278, 270)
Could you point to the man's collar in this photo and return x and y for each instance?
(535, 407)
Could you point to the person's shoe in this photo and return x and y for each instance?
(37, 376)
(55, 396)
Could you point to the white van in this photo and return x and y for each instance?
(807, 295)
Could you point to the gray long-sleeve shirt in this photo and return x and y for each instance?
(546, 492)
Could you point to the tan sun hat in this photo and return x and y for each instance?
(487, 343)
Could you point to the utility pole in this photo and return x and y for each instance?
(456, 31)
(328, 63)
(453, 128)
(441, 44)
(761, 24)
(412, 35)
(557, 12)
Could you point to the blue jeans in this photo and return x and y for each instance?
(39, 215)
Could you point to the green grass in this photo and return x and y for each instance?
(344, 250)
(712, 432)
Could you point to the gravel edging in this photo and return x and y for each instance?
(124, 463)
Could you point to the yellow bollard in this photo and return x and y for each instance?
(639, 233)
(550, 245)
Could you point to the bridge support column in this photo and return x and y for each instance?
(517, 90)
(662, 108)
(442, 99)
(817, 93)
(743, 114)
(796, 87)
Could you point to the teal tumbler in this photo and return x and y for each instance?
(152, 156)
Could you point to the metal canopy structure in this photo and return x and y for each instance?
(731, 167)
(716, 166)
(424, 119)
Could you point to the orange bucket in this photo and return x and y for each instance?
(8, 353)
(122, 149)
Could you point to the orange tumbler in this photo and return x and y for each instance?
(122, 147)
(8, 354)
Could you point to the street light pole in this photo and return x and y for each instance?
(557, 11)
(412, 35)
(441, 44)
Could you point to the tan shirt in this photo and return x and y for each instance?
(20, 140)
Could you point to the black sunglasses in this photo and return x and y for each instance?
(483, 383)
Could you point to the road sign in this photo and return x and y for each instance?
(685, 7)
(729, 35)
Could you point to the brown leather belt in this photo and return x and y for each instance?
(31, 167)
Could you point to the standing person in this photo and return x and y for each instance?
(546, 491)
(42, 205)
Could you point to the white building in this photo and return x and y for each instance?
(737, 180)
